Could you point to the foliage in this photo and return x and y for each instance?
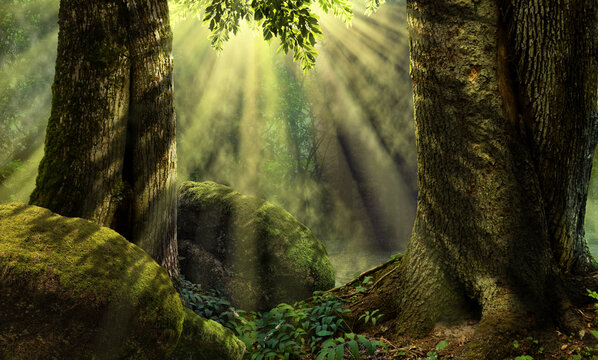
(294, 23)
(432, 355)
(371, 316)
(285, 332)
(593, 295)
(361, 288)
(25, 77)
(334, 348)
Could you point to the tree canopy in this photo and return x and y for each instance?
(294, 23)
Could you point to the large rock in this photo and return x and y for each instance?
(213, 341)
(253, 252)
(70, 289)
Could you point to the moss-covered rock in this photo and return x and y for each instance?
(214, 341)
(253, 252)
(70, 289)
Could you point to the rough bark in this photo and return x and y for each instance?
(81, 172)
(554, 46)
(110, 142)
(503, 159)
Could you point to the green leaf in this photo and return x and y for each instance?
(441, 345)
(354, 348)
(324, 333)
(340, 351)
(431, 355)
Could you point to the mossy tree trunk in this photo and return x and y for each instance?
(505, 96)
(110, 153)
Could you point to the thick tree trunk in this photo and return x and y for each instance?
(81, 172)
(110, 142)
(505, 108)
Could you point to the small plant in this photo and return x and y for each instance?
(396, 257)
(365, 282)
(334, 349)
(441, 345)
(371, 317)
(432, 355)
(593, 295)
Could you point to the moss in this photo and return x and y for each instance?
(268, 256)
(73, 289)
(206, 340)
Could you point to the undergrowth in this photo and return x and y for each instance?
(286, 331)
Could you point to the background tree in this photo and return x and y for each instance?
(27, 47)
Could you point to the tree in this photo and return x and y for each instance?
(110, 151)
(505, 96)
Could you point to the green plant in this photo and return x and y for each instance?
(441, 345)
(371, 317)
(334, 348)
(360, 288)
(593, 295)
(524, 357)
(432, 355)
(285, 332)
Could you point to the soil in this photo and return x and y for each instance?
(449, 342)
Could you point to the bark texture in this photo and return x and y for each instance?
(554, 50)
(110, 153)
(81, 172)
(505, 110)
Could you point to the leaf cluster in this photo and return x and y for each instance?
(292, 22)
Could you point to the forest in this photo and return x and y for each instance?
(297, 179)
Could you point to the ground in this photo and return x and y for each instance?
(370, 290)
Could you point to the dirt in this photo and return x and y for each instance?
(447, 342)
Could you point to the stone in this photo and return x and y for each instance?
(254, 253)
(71, 289)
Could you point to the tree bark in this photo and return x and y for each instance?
(110, 153)
(505, 98)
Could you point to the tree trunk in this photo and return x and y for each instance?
(505, 102)
(110, 142)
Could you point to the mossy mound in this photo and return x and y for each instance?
(71, 289)
(215, 341)
(255, 253)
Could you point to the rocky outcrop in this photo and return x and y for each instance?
(255, 253)
(71, 289)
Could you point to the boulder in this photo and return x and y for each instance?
(214, 341)
(254, 253)
(71, 289)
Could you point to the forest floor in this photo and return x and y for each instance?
(448, 342)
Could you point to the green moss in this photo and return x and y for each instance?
(270, 257)
(73, 289)
(206, 340)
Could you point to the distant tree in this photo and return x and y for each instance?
(24, 25)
